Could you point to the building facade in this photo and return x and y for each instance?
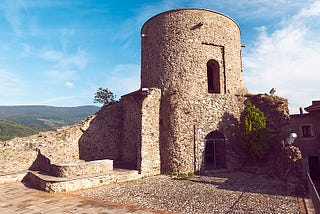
(307, 128)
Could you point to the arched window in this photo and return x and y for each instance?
(215, 151)
(213, 75)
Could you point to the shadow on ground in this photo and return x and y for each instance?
(243, 182)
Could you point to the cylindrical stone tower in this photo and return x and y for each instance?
(194, 57)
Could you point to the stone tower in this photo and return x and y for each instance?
(194, 57)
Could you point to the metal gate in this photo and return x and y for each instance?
(214, 153)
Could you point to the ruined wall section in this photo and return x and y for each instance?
(276, 111)
(101, 139)
(140, 130)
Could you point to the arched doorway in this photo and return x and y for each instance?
(215, 151)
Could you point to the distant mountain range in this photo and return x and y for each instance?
(19, 121)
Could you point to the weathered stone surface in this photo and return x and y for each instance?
(61, 146)
(277, 115)
(176, 47)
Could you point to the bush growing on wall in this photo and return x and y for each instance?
(253, 133)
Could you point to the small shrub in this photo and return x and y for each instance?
(253, 133)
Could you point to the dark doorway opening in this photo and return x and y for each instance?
(314, 167)
(215, 151)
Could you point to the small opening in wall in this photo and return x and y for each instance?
(213, 76)
(197, 26)
(306, 131)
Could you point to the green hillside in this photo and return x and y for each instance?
(26, 120)
(9, 130)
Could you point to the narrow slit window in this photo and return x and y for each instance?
(213, 75)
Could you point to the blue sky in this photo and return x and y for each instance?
(59, 52)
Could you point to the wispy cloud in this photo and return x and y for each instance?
(287, 59)
(125, 78)
(53, 101)
(12, 87)
(64, 66)
(244, 9)
(9, 81)
(12, 12)
(64, 60)
(60, 74)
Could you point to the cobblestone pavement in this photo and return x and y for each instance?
(223, 193)
(17, 198)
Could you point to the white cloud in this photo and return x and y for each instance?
(313, 10)
(287, 59)
(69, 84)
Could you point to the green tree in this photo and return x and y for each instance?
(253, 134)
(104, 96)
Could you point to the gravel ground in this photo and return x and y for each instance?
(235, 192)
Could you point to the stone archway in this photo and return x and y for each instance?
(215, 151)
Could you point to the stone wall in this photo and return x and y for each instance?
(131, 128)
(149, 149)
(140, 133)
(191, 122)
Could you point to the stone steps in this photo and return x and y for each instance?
(81, 168)
(54, 184)
(64, 177)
